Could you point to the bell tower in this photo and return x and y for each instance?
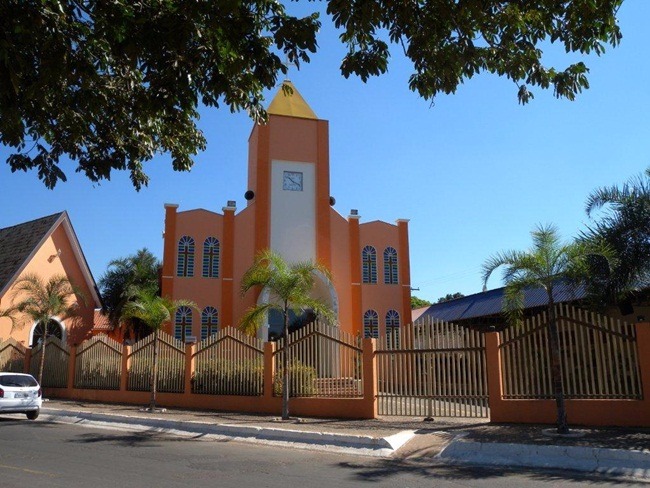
(288, 173)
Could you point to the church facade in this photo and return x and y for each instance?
(289, 210)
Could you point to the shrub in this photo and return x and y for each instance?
(301, 380)
(227, 377)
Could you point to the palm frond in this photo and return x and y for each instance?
(253, 318)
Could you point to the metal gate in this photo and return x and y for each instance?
(432, 369)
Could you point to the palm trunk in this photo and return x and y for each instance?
(285, 367)
(41, 366)
(154, 372)
(556, 368)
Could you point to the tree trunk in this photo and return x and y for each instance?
(285, 367)
(154, 372)
(41, 366)
(556, 368)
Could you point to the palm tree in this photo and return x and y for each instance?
(38, 301)
(139, 271)
(289, 287)
(154, 311)
(625, 225)
(543, 266)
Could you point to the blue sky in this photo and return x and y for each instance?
(474, 173)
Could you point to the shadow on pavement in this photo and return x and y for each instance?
(383, 470)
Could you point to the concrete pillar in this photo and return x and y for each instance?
(369, 378)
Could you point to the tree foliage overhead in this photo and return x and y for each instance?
(111, 84)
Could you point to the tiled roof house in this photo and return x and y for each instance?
(47, 246)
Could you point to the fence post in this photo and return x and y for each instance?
(370, 377)
(28, 360)
(72, 363)
(493, 370)
(124, 378)
(269, 371)
(643, 353)
(189, 367)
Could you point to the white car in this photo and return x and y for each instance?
(20, 393)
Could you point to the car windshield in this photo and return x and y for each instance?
(17, 380)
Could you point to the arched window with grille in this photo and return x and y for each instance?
(183, 323)
(54, 329)
(369, 264)
(390, 266)
(392, 329)
(185, 265)
(370, 324)
(211, 258)
(209, 322)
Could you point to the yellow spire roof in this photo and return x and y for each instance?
(292, 105)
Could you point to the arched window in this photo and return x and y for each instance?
(370, 324)
(390, 266)
(54, 329)
(185, 257)
(392, 329)
(369, 263)
(209, 322)
(183, 323)
(211, 258)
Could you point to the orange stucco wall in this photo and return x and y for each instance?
(244, 254)
(381, 297)
(579, 412)
(340, 267)
(293, 139)
(198, 224)
(46, 264)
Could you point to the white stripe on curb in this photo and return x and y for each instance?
(334, 442)
(619, 462)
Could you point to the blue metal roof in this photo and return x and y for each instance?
(490, 303)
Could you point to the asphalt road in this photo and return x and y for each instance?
(42, 454)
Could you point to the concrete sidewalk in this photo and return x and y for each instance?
(614, 451)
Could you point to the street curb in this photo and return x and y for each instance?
(617, 462)
(349, 443)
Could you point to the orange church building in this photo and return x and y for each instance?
(289, 210)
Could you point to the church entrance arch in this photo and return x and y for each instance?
(323, 290)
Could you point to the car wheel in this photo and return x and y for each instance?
(33, 415)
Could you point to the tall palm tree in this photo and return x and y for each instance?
(154, 311)
(624, 223)
(38, 301)
(139, 271)
(289, 286)
(543, 266)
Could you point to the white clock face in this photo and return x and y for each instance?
(292, 181)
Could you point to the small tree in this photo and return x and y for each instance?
(139, 271)
(623, 222)
(154, 311)
(547, 262)
(38, 301)
(450, 296)
(417, 302)
(289, 287)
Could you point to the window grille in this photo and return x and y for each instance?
(185, 257)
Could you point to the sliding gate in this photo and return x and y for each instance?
(432, 369)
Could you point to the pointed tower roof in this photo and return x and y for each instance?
(292, 105)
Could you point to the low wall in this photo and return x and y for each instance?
(364, 407)
(630, 413)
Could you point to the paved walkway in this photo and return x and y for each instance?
(620, 451)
